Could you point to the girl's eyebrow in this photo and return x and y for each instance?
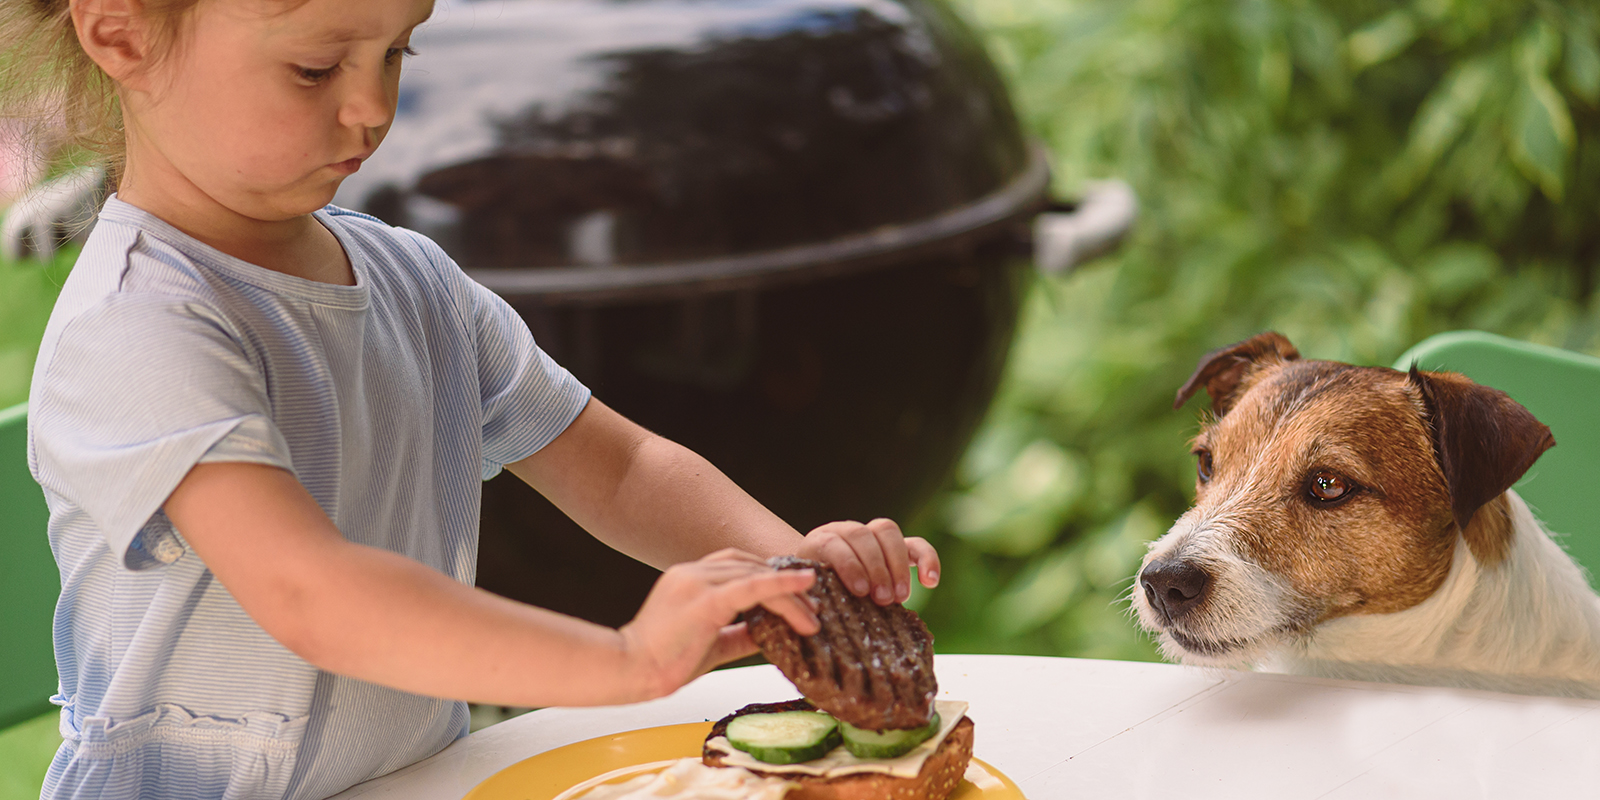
(345, 35)
(340, 36)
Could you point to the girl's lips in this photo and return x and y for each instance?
(347, 166)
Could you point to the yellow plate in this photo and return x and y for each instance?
(552, 772)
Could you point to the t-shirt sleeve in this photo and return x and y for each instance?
(528, 399)
(137, 390)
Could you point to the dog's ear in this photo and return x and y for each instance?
(1221, 371)
(1483, 439)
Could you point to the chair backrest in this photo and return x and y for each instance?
(1562, 389)
(29, 581)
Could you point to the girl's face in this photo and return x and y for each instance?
(264, 106)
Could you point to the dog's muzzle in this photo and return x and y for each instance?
(1209, 604)
(1174, 586)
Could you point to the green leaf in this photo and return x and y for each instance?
(1443, 116)
(1315, 36)
(1455, 270)
(1541, 135)
(1381, 39)
(1583, 63)
(1037, 594)
(1111, 557)
(1539, 46)
(1019, 509)
(1274, 75)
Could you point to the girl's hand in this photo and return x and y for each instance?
(874, 558)
(685, 626)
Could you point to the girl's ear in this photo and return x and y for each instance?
(114, 35)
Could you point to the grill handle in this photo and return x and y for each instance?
(1063, 237)
(1072, 233)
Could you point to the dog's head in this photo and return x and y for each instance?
(1326, 490)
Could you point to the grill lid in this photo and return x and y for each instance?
(596, 133)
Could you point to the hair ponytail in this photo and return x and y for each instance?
(67, 103)
(69, 106)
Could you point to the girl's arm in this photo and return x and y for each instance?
(371, 614)
(649, 497)
(661, 503)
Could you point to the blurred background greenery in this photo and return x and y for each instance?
(27, 291)
(1356, 174)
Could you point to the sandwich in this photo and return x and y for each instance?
(869, 726)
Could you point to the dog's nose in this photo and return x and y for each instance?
(1173, 587)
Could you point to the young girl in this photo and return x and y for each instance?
(261, 425)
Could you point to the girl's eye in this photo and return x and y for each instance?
(320, 74)
(1327, 487)
(1203, 465)
(315, 75)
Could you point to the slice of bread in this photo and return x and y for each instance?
(939, 777)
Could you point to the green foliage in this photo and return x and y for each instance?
(1356, 174)
(25, 753)
(27, 292)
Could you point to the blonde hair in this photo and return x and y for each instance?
(46, 79)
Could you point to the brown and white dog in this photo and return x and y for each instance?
(1358, 522)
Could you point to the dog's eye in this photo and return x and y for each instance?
(1327, 487)
(1203, 465)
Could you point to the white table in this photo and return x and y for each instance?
(1078, 728)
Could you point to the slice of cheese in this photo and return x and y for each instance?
(839, 761)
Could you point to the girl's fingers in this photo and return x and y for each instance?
(927, 560)
(719, 572)
(873, 559)
(757, 589)
(740, 583)
(795, 611)
(731, 558)
(686, 626)
(724, 566)
(733, 642)
(827, 544)
(869, 552)
(699, 598)
(892, 544)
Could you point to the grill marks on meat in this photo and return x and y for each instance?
(870, 665)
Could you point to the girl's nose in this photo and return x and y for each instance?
(368, 103)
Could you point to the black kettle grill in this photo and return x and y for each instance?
(790, 234)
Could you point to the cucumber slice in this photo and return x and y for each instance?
(785, 737)
(885, 744)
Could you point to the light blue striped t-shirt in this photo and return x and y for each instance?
(391, 401)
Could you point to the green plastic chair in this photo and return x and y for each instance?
(29, 581)
(1562, 389)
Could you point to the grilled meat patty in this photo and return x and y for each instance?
(870, 665)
